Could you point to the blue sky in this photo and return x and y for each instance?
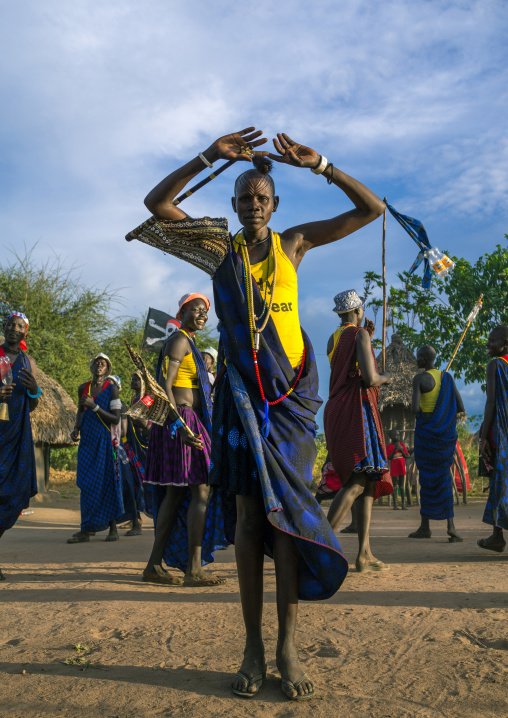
(103, 99)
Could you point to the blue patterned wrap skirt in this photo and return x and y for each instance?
(374, 464)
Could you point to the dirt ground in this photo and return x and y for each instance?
(426, 639)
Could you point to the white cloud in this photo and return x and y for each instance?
(102, 100)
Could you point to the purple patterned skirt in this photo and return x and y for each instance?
(170, 462)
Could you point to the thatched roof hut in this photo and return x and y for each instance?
(53, 420)
(395, 398)
(401, 363)
(52, 423)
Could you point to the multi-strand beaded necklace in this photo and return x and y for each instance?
(255, 331)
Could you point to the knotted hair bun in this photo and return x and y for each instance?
(262, 164)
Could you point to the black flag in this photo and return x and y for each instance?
(159, 326)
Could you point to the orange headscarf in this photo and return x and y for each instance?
(189, 297)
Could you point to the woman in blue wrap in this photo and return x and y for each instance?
(436, 403)
(18, 480)
(494, 440)
(99, 480)
(266, 392)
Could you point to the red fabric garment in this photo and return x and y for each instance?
(343, 419)
(332, 480)
(397, 464)
(458, 480)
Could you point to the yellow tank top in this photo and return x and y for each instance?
(187, 377)
(429, 399)
(336, 336)
(285, 299)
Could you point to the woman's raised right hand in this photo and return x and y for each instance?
(233, 146)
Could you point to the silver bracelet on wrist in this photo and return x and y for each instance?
(96, 408)
(204, 160)
(323, 164)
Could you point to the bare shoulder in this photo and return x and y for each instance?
(81, 388)
(330, 344)
(177, 346)
(491, 367)
(33, 365)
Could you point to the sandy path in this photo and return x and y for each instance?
(429, 639)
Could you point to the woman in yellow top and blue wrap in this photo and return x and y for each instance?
(436, 403)
(188, 521)
(263, 447)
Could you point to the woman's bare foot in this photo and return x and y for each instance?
(253, 667)
(368, 562)
(296, 685)
(112, 536)
(202, 578)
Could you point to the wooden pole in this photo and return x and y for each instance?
(383, 345)
(478, 304)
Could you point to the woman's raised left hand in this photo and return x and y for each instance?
(291, 153)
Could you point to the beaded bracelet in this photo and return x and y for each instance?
(173, 428)
(35, 396)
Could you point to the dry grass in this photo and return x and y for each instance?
(401, 364)
(64, 482)
(53, 420)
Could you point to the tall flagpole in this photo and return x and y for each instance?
(383, 350)
(469, 321)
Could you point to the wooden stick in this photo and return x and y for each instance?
(204, 182)
(479, 302)
(383, 349)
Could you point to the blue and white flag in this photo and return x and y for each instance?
(417, 232)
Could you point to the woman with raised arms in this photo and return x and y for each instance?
(266, 391)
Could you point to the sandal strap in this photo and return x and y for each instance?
(249, 680)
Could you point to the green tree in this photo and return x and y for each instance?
(436, 316)
(69, 321)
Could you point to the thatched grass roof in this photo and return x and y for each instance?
(401, 364)
(54, 418)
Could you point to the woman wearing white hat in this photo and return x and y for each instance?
(353, 430)
(101, 498)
